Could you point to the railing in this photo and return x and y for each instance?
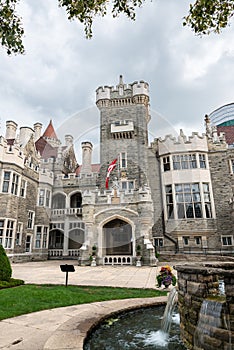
(73, 252)
(117, 260)
(226, 250)
(55, 252)
(68, 211)
(59, 252)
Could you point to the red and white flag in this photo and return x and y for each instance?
(109, 170)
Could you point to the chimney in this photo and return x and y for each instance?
(37, 129)
(25, 134)
(87, 150)
(11, 128)
(69, 140)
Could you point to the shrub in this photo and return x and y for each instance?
(5, 266)
(11, 283)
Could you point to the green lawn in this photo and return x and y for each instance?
(29, 298)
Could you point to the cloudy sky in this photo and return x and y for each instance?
(56, 79)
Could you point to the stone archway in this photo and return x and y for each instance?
(117, 235)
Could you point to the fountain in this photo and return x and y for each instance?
(211, 317)
(206, 320)
(136, 329)
(154, 328)
(167, 316)
(206, 305)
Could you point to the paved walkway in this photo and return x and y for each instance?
(115, 276)
(65, 328)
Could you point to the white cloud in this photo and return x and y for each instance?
(61, 70)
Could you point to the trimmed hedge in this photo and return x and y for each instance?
(13, 282)
(5, 266)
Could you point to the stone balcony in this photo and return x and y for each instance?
(56, 213)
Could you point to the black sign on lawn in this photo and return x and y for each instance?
(67, 268)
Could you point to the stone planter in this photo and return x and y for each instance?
(138, 262)
(93, 262)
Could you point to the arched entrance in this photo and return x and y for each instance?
(117, 237)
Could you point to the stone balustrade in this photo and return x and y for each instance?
(117, 260)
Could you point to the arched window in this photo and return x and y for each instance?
(76, 200)
(58, 201)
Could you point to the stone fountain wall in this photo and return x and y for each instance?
(199, 284)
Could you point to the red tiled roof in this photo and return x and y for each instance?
(49, 132)
(95, 168)
(45, 149)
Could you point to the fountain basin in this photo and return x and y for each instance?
(136, 329)
(71, 334)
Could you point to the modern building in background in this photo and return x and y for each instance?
(172, 197)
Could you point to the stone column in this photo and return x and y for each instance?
(66, 236)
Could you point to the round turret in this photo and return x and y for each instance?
(87, 150)
(37, 129)
(140, 88)
(103, 93)
(68, 140)
(11, 128)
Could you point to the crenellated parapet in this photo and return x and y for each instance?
(11, 153)
(46, 177)
(124, 197)
(217, 144)
(181, 144)
(123, 94)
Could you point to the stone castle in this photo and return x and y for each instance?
(172, 197)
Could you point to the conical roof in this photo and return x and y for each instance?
(49, 132)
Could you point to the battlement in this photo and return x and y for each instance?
(75, 176)
(11, 153)
(141, 88)
(181, 144)
(46, 176)
(122, 196)
(47, 160)
(122, 90)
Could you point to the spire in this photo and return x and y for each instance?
(49, 132)
(121, 80)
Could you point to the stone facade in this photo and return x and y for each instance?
(174, 195)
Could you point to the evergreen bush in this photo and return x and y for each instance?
(5, 266)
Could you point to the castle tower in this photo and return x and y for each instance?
(11, 128)
(37, 130)
(87, 150)
(69, 140)
(124, 114)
